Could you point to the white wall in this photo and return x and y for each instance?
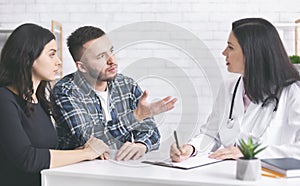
(209, 20)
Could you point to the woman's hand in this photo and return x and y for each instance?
(231, 152)
(96, 148)
(181, 154)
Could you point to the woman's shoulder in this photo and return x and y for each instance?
(10, 101)
(6, 92)
(7, 95)
(294, 87)
(292, 91)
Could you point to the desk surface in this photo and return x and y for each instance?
(111, 173)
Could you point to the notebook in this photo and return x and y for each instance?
(289, 167)
(190, 163)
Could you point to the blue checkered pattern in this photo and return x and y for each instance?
(78, 114)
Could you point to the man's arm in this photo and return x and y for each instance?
(74, 123)
(144, 131)
(141, 124)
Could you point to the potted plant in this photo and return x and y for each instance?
(295, 59)
(248, 166)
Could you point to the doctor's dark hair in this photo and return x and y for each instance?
(22, 48)
(79, 37)
(268, 68)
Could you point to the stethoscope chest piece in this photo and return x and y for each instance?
(230, 123)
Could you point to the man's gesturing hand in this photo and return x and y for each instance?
(145, 109)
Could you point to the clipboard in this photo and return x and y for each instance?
(191, 163)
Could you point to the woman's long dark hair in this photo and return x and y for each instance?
(267, 66)
(22, 48)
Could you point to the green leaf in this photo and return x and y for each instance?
(258, 151)
(249, 149)
(295, 59)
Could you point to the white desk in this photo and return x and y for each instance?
(107, 173)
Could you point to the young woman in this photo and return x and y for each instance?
(263, 103)
(27, 136)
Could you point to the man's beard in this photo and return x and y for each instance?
(97, 76)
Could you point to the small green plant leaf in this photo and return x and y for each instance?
(249, 149)
(295, 59)
(259, 150)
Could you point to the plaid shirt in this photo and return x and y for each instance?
(78, 114)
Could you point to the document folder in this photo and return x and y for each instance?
(193, 162)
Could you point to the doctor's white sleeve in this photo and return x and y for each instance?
(208, 138)
(291, 128)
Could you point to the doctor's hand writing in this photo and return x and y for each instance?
(145, 109)
(181, 154)
(231, 152)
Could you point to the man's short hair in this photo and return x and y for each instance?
(79, 37)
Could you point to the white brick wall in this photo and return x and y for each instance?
(209, 20)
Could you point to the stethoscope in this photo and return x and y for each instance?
(230, 121)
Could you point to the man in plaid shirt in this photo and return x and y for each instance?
(96, 101)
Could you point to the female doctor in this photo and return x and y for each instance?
(263, 103)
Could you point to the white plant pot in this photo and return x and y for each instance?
(297, 66)
(249, 170)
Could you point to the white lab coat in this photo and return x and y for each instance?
(279, 130)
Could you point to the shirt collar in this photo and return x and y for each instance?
(82, 83)
(86, 87)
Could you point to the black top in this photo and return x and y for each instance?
(24, 141)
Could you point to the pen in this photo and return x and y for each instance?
(273, 173)
(176, 140)
(269, 175)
